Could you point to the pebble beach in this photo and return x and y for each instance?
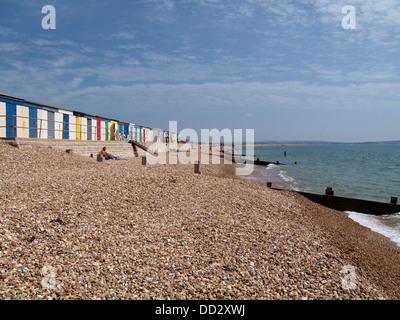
(75, 228)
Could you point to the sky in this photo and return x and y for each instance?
(287, 69)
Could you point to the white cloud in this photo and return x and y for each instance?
(210, 97)
(10, 47)
(162, 4)
(76, 82)
(42, 42)
(8, 32)
(246, 11)
(124, 35)
(132, 46)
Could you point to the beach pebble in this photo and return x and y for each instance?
(120, 230)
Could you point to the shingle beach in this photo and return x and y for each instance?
(75, 228)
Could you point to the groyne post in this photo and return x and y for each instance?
(393, 200)
(144, 160)
(197, 167)
(329, 191)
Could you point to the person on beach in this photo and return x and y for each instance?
(122, 137)
(107, 155)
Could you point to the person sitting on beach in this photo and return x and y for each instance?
(107, 155)
(122, 137)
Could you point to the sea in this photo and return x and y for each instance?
(369, 171)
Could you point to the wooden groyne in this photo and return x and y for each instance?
(141, 146)
(256, 161)
(350, 204)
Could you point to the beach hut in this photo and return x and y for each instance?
(11, 119)
(126, 130)
(131, 132)
(32, 122)
(22, 120)
(159, 132)
(63, 122)
(107, 126)
(98, 128)
(58, 124)
(120, 129)
(81, 125)
(149, 135)
(94, 128)
(84, 128)
(90, 120)
(78, 128)
(136, 133)
(2, 119)
(103, 130)
(50, 122)
(72, 127)
(155, 135)
(42, 124)
(113, 130)
(145, 134)
(65, 134)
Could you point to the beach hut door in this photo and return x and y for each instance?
(33, 123)
(11, 120)
(50, 128)
(65, 126)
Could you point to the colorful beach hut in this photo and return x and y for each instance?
(24, 119)
(98, 128)
(126, 130)
(11, 120)
(131, 131)
(2, 119)
(107, 125)
(114, 130)
(90, 128)
(32, 122)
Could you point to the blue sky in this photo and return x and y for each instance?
(286, 69)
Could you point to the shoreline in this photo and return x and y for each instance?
(163, 232)
(374, 252)
(279, 144)
(274, 145)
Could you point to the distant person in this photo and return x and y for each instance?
(107, 155)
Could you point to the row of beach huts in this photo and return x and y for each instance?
(26, 119)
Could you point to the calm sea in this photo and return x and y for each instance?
(364, 171)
